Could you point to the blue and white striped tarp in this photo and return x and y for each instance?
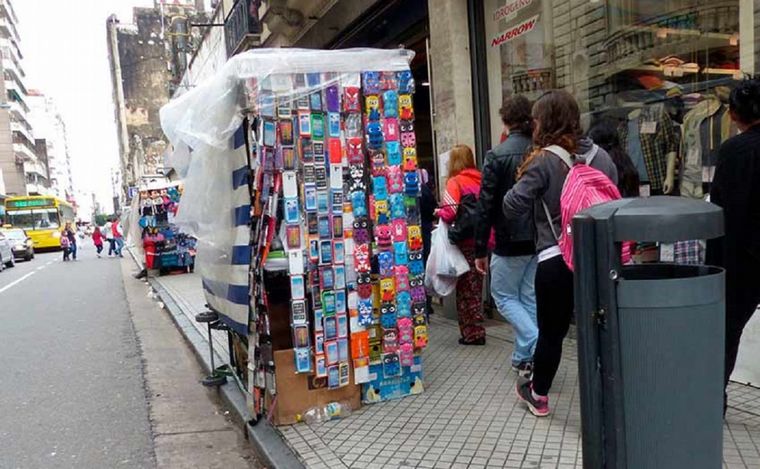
(225, 275)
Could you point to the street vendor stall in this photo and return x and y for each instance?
(302, 188)
(165, 247)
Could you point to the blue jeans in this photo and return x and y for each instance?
(119, 242)
(513, 291)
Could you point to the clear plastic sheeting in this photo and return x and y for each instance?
(209, 114)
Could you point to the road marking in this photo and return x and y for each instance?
(17, 281)
(41, 267)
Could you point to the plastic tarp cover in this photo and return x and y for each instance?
(204, 125)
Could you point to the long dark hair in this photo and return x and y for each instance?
(557, 121)
(604, 133)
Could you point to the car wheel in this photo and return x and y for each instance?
(29, 257)
(12, 262)
(2, 264)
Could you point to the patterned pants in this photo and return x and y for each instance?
(470, 299)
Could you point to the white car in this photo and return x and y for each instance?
(6, 253)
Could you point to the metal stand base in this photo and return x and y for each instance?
(213, 381)
(207, 316)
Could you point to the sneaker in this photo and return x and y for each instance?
(523, 369)
(538, 407)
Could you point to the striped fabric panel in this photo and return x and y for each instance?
(225, 269)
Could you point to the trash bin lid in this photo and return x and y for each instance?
(665, 219)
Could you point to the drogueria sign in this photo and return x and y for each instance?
(510, 9)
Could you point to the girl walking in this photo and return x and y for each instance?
(97, 240)
(540, 180)
(464, 181)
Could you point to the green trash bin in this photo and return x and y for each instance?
(650, 338)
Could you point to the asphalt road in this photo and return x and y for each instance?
(72, 391)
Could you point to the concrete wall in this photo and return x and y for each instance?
(141, 86)
(757, 35)
(453, 120)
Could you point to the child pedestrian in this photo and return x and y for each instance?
(464, 182)
(97, 240)
(65, 246)
(539, 186)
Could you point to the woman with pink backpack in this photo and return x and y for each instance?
(559, 144)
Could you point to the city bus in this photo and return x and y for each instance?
(43, 218)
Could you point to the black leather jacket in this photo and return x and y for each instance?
(499, 173)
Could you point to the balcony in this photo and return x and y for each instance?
(35, 170)
(23, 153)
(8, 29)
(11, 60)
(19, 112)
(7, 11)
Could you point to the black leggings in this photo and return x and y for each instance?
(554, 304)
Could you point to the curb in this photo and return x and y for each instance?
(269, 446)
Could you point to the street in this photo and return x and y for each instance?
(77, 388)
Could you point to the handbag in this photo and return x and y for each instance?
(463, 227)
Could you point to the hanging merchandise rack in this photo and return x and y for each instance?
(312, 251)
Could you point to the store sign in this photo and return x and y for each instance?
(28, 203)
(510, 9)
(515, 31)
(242, 25)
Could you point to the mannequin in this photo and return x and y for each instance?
(650, 140)
(704, 129)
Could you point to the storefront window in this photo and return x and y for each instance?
(659, 69)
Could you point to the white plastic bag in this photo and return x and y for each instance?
(445, 264)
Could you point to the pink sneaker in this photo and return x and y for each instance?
(538, 407)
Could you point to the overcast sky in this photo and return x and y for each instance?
(66, 57)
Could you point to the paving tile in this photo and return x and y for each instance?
(468, 414)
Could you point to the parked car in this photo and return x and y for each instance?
(21, 244)
(6, 253)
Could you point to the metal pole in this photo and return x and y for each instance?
(211, 348)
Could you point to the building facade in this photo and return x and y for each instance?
(50, 131)
(147, 60)
(23, 172)
(649, 71)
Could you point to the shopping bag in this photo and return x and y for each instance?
(445, 263)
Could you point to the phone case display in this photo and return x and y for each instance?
(336, 180)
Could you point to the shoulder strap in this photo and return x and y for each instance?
(550, 220)
(561, 153)
(566, 158)
(591, 154)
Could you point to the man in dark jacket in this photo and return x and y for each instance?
(513, 261)
(736, 188)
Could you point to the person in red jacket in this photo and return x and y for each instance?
(97, 240)
(464, 179)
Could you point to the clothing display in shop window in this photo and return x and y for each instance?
(705, 127)
(657, 140)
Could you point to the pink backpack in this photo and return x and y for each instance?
(584, 187)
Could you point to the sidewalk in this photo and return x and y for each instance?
(468, 416)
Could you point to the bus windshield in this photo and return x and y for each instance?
(36, 219)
